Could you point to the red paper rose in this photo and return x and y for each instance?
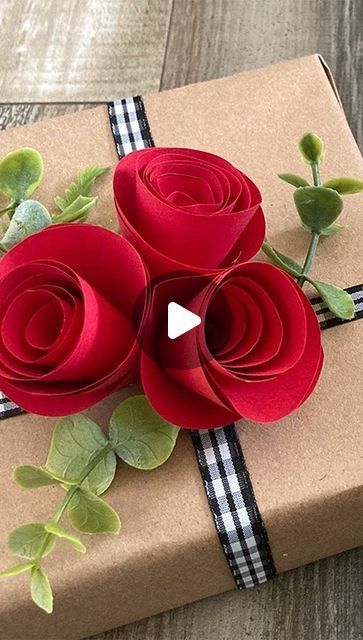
(67, 296)
(187, 210)
(257, 354)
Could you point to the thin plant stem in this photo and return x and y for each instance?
(8, 209)
(109, 446)
(315, 168)
(314, 241)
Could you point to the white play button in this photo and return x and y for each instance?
(180, 320)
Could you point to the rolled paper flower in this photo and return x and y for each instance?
(257, 353)
(67, 304)
(187, 210)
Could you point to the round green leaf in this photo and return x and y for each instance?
(318, 207)
(311, 148)
(76, 439)
(40, 589)
(142, 438)
(89, 514)
(30, 476)
(59, 532)
(291, 178)
(344, 186)
(20, 173)
(27, 541)
(340, 303)
(29, 217)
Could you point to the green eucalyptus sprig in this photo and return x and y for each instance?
(82, 462)
(21, 172)
(318, 205)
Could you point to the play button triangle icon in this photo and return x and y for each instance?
(180, 320)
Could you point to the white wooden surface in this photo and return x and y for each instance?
(82, 50)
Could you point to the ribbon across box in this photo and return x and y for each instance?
(299, 480)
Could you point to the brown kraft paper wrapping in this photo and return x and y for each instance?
(305, 470)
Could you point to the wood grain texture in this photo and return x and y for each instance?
(86, 50)
(317, 602)
(15, 115)
(213, 38)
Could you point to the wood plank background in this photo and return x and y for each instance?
(93, 50)
(97, 50)
(80, 50)
(212, 38)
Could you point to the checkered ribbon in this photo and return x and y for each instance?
(231, 499)
(8, 409)
(129, 125)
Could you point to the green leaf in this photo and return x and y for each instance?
(318, 207)
(20, 173)
(344, 186)
(40, 589)
(311, 148)
(333, 229)
(339, 302)
(59, 532)
(76, 439)
(142, 438)
(280, 260)
(29, 217)
(15, 571)
(27, 541)
(81, 186)
(90, 514)
(291, 178)
(78, 210)
(29, 476)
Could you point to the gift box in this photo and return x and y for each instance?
(303, 474)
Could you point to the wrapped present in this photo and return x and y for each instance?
(231, 507)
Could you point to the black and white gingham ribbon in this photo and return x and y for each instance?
(8, 409)
(236, 516)
(129, 125)
(226, 480)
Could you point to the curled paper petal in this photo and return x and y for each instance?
(68, 333)
(187, 210)
(260, 365)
